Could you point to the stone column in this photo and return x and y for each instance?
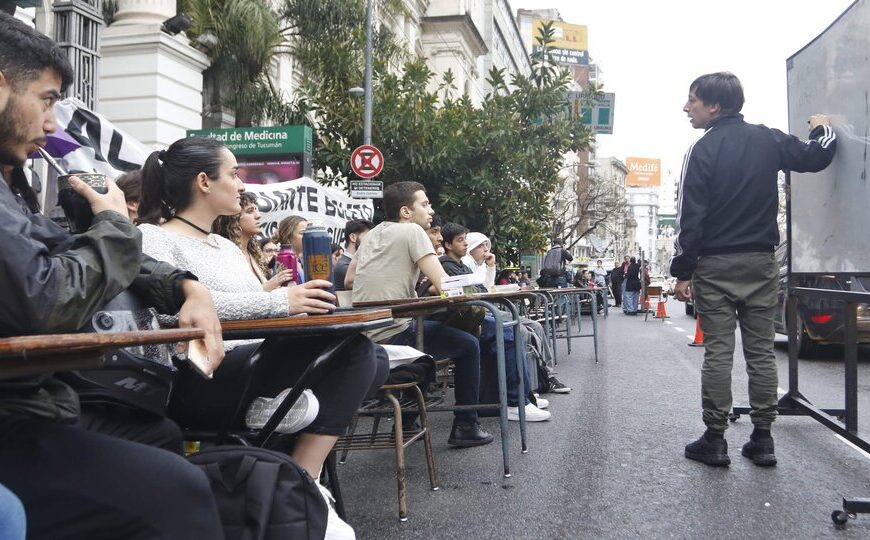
(144, 11)
(150, 82)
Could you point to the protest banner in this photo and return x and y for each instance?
(104, 148)
(304, 197)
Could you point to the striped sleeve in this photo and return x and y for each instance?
(812, 155)
(692, 205)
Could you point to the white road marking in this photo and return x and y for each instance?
(862, 452)
(668, 322)
(678, 329)
(780, 390)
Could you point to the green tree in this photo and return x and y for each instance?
(247, 36)
(492, 168)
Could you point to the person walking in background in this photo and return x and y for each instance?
(553, 267)
(632, 288)
(724, 255)
(616, 280)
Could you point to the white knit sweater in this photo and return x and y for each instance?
(221, 266)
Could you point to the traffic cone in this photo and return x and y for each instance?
(699, 335)
(661, 312)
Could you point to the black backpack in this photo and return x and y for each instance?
(262, 494)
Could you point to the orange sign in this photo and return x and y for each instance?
(643, 172)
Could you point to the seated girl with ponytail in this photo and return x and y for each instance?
(184, 189)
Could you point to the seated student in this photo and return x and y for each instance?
(131, 184)
(386, 267)
(188, 186)
(480, 258)
(354, 231)
(455, 248)
(289, 233)
(269, 249)
(74, 483)
(242, 229)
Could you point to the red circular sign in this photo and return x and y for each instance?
(367, 161)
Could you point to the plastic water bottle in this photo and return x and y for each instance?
(317, 253)
(287, 258)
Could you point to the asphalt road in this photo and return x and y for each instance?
(610, 463)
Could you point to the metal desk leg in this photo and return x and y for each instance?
(595, 325)
(502, 382)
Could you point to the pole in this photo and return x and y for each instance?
(367, 120)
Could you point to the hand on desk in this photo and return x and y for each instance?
(198, 312)
(310, 297)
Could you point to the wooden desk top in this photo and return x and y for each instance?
(25, 356)
(337, 323)
(52, 344)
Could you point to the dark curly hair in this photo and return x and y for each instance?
(230, 228)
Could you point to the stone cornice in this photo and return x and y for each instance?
(464, 24)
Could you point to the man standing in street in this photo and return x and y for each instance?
(553, 267)
(726, 235)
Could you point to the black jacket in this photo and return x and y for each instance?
(728, 198)
(632, 277)
(54, 282)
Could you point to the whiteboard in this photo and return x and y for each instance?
(830, 210)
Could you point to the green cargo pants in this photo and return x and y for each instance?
(729, 288)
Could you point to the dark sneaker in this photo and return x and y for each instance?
(557, 387)
(760, 451)
(712, 451)
(466, 435)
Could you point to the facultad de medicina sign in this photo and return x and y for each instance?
(262, 140)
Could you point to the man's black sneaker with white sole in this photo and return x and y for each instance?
(709, 450)
(760, 451)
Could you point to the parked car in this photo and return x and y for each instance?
(820, 321)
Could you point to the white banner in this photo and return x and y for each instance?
(306, 198)
(104, 148)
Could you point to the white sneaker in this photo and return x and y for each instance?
(336, 528)
(533, 414)
(299, 417)
(541, 402)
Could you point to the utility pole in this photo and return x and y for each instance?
(367, 115)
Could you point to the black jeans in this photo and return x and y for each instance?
(201, 404)
(442, 341)
(132, 425)
(78, 484)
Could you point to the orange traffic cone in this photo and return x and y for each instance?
(661, 312)
(699, 335)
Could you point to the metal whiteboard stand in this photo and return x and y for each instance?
(843, 422)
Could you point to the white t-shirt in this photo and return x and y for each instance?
(387, 267)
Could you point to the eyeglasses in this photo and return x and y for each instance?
(270, 250)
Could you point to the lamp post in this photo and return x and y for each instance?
(367, 115)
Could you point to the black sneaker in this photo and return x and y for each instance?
(711, 451)
(760, 451)
(557, 387)
(467, 435)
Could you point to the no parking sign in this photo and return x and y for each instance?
(366, 161)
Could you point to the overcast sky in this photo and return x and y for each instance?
(650, 51)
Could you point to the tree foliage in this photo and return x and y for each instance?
(492, 168)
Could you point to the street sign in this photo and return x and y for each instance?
(600, 116)
(367, 189)
(366, 161)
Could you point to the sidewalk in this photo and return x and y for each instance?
(610, 463)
